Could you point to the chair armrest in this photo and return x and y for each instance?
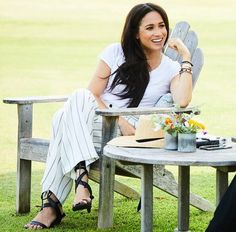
(34, 99)
(143, 111)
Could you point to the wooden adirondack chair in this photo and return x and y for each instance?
(35, 149)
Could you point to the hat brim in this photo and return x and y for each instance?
(130, 141)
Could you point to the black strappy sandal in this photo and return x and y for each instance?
(51, 203)
(84, 203)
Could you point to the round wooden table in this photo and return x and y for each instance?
(147, 157)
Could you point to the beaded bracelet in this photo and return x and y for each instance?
(187, 70)
(187, 62)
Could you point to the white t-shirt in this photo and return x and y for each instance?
(159, 83)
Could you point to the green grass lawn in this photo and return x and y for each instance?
(52, 47)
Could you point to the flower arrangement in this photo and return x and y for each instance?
(175, 123)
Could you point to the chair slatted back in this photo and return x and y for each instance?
(190, 39)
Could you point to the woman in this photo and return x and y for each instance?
(134, 73)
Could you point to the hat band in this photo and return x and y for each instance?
(146, 140)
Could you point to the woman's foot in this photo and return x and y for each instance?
(51, 214)
(44, 217)
(83, 193)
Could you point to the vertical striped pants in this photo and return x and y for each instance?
(76, 137)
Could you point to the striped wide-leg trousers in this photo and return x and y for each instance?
(76, 137)
(73, 129)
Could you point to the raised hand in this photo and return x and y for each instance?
(178, 45)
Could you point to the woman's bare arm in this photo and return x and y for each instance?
(181, 85)
(99, 82)
(97, 86)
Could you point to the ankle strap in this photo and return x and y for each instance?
(79, 181)
(45, 195)
(56, 205)
(80, 165)
(80, 177)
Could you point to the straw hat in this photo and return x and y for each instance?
(145, 135)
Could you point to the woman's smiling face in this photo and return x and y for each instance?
(152, 32)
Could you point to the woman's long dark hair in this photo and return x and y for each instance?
(134, 72)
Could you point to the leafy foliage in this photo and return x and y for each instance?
(175, 123)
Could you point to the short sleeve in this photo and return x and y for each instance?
(174, 68)
(171, 67)
(110, 54)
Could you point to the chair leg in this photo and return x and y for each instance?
(106, 194)
(23, 186)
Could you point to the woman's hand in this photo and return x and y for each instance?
(125, 127)
(179, 46)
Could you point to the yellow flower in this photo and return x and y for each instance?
(196, 124)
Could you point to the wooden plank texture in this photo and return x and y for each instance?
(144, 111)
(191, 42)
(147, 198)
(34, 149)
(23, 182)
(225, 157)
(107, 177)
(180, 31)
(198, 61)
(35, 99)
(221, 184)
(183, 200)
